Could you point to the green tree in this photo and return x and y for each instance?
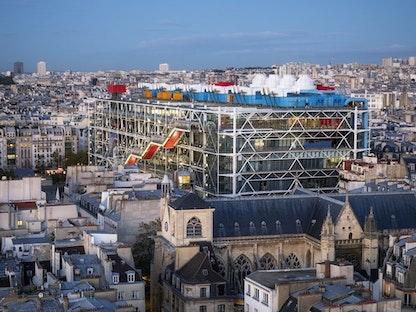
(57, 160)
(72, 159)
(143, 248)
(9, 174)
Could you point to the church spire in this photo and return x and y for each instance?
(370, 225)
(328, 237)
(328, 225)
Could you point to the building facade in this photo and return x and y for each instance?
(41, 68)
(283, 232)
(18, 68)
(233, 144)
(37, 146)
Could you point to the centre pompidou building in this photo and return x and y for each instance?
(232, 141)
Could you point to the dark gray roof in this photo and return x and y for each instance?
(31, 240)
(296, 214)
(31, 305)
(269, 278)
(189, 201)
(198, 270)
(392, 210)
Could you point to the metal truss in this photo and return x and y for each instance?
(231, 150)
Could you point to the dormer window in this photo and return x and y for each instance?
(278, 227)
(90, 271)
(263, 227)
(252, 228)
(130, 277)
(116, 278)
(237, 229)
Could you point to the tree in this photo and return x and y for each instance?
(143, 248)
(57, 160)
(72, 159)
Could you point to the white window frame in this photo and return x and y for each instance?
(116, 278)
(120, 295)
(131, 278)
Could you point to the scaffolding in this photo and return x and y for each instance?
(231, 150)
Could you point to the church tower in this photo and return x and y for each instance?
(186, 222)
(328, 238)
(370, 243)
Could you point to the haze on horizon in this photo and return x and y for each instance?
(189, 35)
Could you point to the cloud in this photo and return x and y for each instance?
(396, 46)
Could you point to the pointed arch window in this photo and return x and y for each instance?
(268, 262)
(242, 267)
(221, 266)
(292, 262)
(194, 228)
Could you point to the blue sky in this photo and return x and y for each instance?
(93, 35)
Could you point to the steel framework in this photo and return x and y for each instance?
(231, 150)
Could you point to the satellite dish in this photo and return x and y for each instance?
(40, 295)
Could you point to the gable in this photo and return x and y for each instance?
(392, 210)
(347, 225)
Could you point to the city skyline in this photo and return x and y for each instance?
(102, 35)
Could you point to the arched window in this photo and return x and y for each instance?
(292, 262)
(268, 262)
(242, 267)
(350, 236)
(194, 228)
(221, 266)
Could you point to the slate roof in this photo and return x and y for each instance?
(392, 210)
(123, 268)
(198, 270)
(83, 263)
(305, 213)
(294, 214)
(30, 240)
(31, 305)
(189, 201)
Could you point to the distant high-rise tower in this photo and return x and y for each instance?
(164, 67)
(18, 68)
(41, 68)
